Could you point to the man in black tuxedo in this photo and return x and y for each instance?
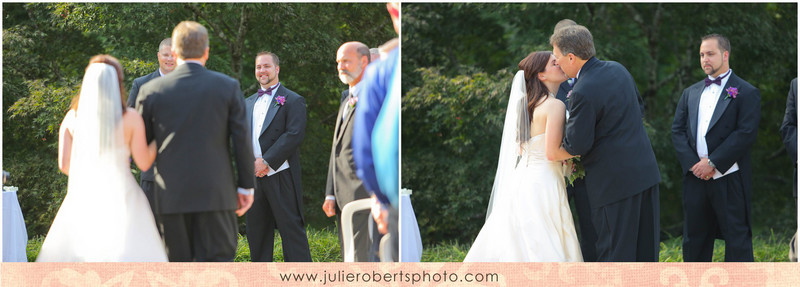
(716, 123)
(605, 128)
(166, 63)
(577, 190)
(194, 114)
(343, 185)
(789, 136)
(277, 117)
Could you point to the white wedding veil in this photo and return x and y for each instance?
(98, 171)
(99, 116)
(516, 131)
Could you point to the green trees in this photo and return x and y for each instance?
(455, 52)
(46, 47)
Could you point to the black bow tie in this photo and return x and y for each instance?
(268, 92)
(717, 81)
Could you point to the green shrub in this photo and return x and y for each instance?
(451, 140)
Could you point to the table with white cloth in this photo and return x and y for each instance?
(15, 237)
(410, 239)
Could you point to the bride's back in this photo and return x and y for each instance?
(549, 107)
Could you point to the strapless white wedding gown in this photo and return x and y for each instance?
(105, 217)
(531, 220)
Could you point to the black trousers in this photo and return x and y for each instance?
(628, 230)
(712, 209)
(201, 236)
(275, 207)
(588, 236)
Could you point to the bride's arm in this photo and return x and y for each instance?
(554, 131)
(142, 153)
(65, 142)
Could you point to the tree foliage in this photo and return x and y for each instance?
(657, 42)
(46, 47)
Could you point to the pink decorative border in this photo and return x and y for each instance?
(401, 274)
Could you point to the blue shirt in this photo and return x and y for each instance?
(380, 173)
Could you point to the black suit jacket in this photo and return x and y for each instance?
(605, 128)
(138, 83)
(731, 132)
(563, 89)
(194, 114)
(281, 135)
(789, 129)
(343, 183)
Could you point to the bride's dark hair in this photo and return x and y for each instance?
(111, 61)
(536, 91)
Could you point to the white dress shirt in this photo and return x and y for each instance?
(708, 102)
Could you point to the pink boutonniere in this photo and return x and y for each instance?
(352, 102)
(280, 100)
(732, 92)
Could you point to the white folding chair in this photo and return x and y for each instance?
(347, 226)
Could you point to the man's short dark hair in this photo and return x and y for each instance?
(275, 59)
(722, 42)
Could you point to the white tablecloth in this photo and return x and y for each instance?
(410, 240)
(15, 237)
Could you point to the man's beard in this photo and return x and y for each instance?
(346, 77)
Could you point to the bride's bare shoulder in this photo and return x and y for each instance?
(553, 104)
(131, 118)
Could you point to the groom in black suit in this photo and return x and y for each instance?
(166, 63)
(194, 114)
(277, 117)
(605, 128)
(716, 123)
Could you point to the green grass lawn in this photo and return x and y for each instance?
(324, 244)
(767, 247)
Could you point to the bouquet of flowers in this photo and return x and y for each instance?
(573, 169)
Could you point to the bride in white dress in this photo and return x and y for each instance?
(528, 219)
(105, 216)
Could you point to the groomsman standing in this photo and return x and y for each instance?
(716, 122)
(166, 63)
(277, 118)
(343, 185)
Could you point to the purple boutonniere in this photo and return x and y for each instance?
(352, 101)
(732, 92)
(280, 100)
(569, 94)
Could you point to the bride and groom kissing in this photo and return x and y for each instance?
(529, 217)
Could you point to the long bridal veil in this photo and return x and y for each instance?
(85, 228)
(516, 131)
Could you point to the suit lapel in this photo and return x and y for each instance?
(339, 123)
(723, 101)
(346, 120)
(273, 109)
(251, 102)
(694, 106)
